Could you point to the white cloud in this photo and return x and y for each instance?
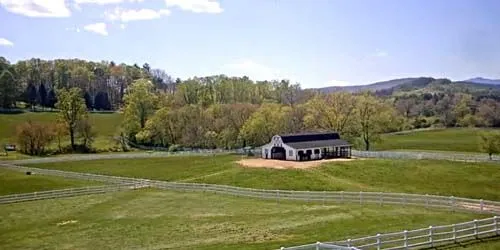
(99, 28)
(123, 26)
(77, 30)
(135, 15)
(37, 8)
(98, 2)
(5, 42)
(196, 6)
(380, 53)
(253, 70)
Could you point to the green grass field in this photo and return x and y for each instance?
(14, 182)
(451, 139)
(473, 180)
(152, 219)
(104, 124)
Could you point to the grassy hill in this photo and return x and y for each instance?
(450, 139)
(14, 182)
(474, 180)
(152, 219)
(105, 124)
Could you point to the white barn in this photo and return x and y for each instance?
(307, 146)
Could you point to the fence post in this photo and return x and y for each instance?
(381, 198)
(481, 204)
(348, 242)
(475, 229)
(495, 221)
(426, 201)
(430, 236)
(452, 202)
(404, 200)
(454, 233)
(378, 241)
(324, 197)
(361, 197)
(317, 245)
(405, 233)
(278, 197)
(342, 196)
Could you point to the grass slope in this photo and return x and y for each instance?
(104, 124)
(474, 180)
(153, 219)
(451, 139)
(14, 182)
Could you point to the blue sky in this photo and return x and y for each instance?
(314, 42)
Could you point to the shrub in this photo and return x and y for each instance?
(173, 148)
(34, 137)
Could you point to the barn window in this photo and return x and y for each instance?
(316, 151)
(290, 152)
(308, 151)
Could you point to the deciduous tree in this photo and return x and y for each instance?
(490, 143)
(140, 103)
(72, 110)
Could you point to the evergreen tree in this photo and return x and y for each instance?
(51, 99)
(88, 100)
(42, 95)
(31, 95)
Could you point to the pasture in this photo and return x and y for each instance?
(104, 124)
(155, 219)
(450, 139)
(14, 182)
(461, 179)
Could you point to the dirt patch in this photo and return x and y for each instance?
(277, 164)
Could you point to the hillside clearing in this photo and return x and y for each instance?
(461, 179)
(14, 182)
(450, 139)
(104, 124)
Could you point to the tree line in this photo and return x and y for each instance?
(155, 119)
(228, 112)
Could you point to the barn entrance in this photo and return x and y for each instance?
(278, 153)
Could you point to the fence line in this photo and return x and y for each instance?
(415, 155)
(429, 237)
(61, 193)
(428, 201)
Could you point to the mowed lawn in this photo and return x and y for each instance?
(14, 182)
(152, 219)
(450, 139)
(104, 124)
(460, 179)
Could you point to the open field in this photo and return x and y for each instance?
(105, 125)
(174, 220)
(451, 139)
(461, 179)
(13, 182)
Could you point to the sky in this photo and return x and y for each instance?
(316, 43)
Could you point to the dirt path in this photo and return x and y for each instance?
(278, 164)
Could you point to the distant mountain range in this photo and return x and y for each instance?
(484, 81)
(407, 84)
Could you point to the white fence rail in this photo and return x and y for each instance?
(420, 238)
(408, 239)
(451, 156)
(428, 201)
(70, 192)
(356, 153)
(319, 246)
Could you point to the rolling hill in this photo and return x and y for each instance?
(425, 84)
